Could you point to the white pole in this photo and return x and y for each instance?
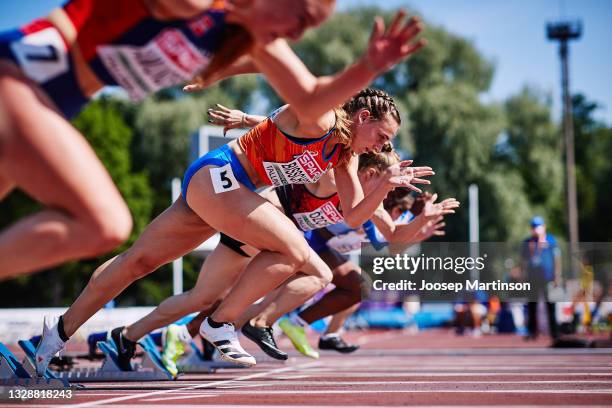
(177, 264)
(474, 226)
(474, 222)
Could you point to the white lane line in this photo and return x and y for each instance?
(353, 392)
(342, 383)
(358, 406)
(309, 406)
(455, 374)
(194, 387)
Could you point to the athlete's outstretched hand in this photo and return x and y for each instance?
(402, 175)
(388, 47)
(432, 209)
(226, 117)
(433, 228)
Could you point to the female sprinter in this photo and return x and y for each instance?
(303, 205)
(51, 67)
(223, 266)
(218, 195)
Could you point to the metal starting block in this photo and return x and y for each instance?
(194, 362)
(13, 376)
(150, 369)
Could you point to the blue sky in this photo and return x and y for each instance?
(510, 33)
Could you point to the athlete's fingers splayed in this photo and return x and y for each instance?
(396, 26)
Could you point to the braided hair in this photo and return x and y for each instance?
(377, 102)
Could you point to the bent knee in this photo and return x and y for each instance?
(139, 264)
(326, 276)
(109, 230)
(298, 255)
(353, 283)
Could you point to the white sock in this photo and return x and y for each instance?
(328, 336)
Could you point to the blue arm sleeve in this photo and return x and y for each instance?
(370, 230)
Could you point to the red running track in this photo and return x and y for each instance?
(433, 368)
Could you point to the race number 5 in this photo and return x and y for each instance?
(42, 55)
(223, 179)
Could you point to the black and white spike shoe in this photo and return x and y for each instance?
(226, 342)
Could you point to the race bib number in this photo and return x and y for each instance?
(303, 169)
(323, 216)
(223, 179)
(42, 55)
(167, 60)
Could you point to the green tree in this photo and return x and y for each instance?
(593, 141)
(104, 128)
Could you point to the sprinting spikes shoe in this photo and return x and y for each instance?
(50, 344)
(297, 335)
(173, 348)
(226, 342)
(264, 338)
(337, 343)
(125, 349)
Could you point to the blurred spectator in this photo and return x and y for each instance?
(541, 263)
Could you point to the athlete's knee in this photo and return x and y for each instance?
(353, 284)
(298, 254)
(110, 230)
(326, 276)
(139, 263)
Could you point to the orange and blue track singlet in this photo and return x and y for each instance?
(307, 210)
(281, 159)
(121, 43)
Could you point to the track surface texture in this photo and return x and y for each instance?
(394, 368)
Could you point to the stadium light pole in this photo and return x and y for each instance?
(563, 32)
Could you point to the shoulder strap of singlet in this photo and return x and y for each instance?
(301, 140)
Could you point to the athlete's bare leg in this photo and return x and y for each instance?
(42, 154)
(337, 322)
(175, 232)
(258, 223)
(218, 273)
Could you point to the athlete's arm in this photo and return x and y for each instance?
(312, 97)
(415, 230)
(177, 9)
(432, 228)
(232, 118)
(356, 208)
(244, 65)
(394, 233)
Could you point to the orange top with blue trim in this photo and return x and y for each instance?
(280, 159)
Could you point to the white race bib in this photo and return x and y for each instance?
(42, 55)
(167, 60)
(323, 216)
(223, 179)
(303, 169)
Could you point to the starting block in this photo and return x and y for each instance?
(150, 369)
(14, 375)
(194, 362)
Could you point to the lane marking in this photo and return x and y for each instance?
(294, 392)
(194, 387)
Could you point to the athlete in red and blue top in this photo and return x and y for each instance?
(217, 202)
(119, 42)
